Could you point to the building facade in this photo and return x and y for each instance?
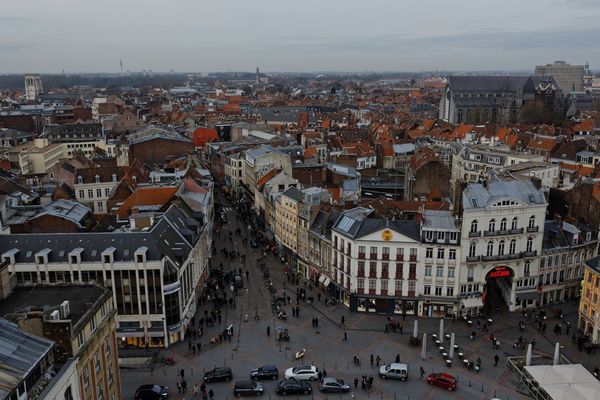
(33, 86)
(589, 306)
(569, 78)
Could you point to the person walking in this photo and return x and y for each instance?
(343, 320)
(345, 339)
(496, 360)
(377, 360)
(211, 394)
(355, 383)
(372, 359)
(268, 331)
(421, 372)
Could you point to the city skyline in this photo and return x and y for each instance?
(309, 37)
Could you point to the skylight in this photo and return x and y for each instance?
(345, 224)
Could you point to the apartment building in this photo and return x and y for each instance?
(287, 205)
(501, 235)
(589, 305)
(154, 274)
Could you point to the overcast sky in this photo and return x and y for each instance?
(295, 35)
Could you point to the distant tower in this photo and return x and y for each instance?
(33, 86)
(257, 75)
(121, 63)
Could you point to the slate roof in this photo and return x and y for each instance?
(152, 132)
(357, 223)
(20, 352)
(476, 195)
(493, 83)
(436, 219)
(165, 238)
(66, 209)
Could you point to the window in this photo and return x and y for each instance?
(452, 254)
(97, 361)
(399, 253)
(91, 193)
(526, 269)
(373, 252)
(453, 236)
(68, 394)
(470, 272)
(399, 271)
(529, 247)
(386, 253)
(82, 194)
(360, 283)
(114, 177)
(531, 222)
(474, 226)
(86, 377)
(439, 272)
(384, 286)
(438, 290)
(441, 253)
(441, 235)
(106, 192)
(426, 290)
(512, 247)
(97, 178)
(80, 179)
(93, 323)
(361, 268)
(450, 272)
(490, 249)
(398, 286)
(429, 252)
(428, 270)
(80, 339)
(503, 224)
(450, 291)
(515, 223)
(501, 248)
(361, 251)
(99, 206)
(492, 225)
(372, 284)
(472, 249)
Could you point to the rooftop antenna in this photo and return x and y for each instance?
(121, 64)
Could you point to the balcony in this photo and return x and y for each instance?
(503, 257)
(413, 258)
(474, 234)
(385, 256)
(503, 232)
(373, 256)
(399, 257)
(516, 231)
(533, 229)
(361, 256)
(530, 253)
(473, 259)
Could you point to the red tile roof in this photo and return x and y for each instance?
(201, 136)
(146, 196)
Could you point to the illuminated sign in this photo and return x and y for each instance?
(500, 272)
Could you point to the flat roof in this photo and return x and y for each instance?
(566, 382)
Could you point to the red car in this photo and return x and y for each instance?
(445, 381)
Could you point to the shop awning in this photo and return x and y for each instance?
(326, 282)
(472, 302)
(322, 278)
(528, 295)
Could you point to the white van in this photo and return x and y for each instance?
(394, 371)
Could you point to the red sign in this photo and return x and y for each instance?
(500, 272)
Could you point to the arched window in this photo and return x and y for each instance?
(492, 226)
(501, 248)
(512, 247)
(531, 222)
(526, 269)
(474, 226)
(68, 394)
(529, 246)
(472, 249)
(515, 223)
(490, 249)
(503, 224)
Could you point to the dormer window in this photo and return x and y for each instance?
(575, 239)
(114, 177)
(80, 179)
(97, 178)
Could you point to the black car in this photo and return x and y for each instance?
(152, 392)
(218, 374)
(238, 282)
(293, 386)
(248, 388)
(265, 372)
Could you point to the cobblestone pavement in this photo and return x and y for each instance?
(251, 347)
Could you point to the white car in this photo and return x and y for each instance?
(303, 373)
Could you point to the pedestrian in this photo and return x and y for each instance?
(370, 381)
(178, 386)
(401, 329)
(193, 349)
(343, 320)
(377, 360)
(372, 359)
(211, 394)
(195, 390)
(324, 373)
(297, 312)
(355, 383)
(496, 359)
(181, 373)
(345, 337)
(421, 372)
(317, 322)
(268, 331)
(183, 386)
(190, 345)
(397, 358)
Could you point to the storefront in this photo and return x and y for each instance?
(382, 305)
(435, 308)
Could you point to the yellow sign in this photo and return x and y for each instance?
(386, 235)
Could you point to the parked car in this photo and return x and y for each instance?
(152, 392)
(293, 386)
(394, 371)
(333, 385)
(442, 380)
(248, 388)
(264, 372)
(218, 374)
(238, 282)
(302, 373)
